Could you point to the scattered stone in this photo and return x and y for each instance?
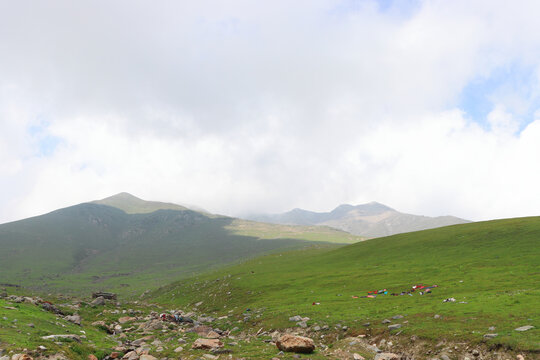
(386, 321)
(397, 317)
(99, 301)
(295, 318)
(60, 337)
(437, 316)
(297, 344)
(449, 300)
(126, 319)
(179, 349)
(104, 295)
(92, 357)
(147, 357)
(394, 326)
(490, 336)
(366, 324)
(317, 328)
(358, 357)
(445, 357)
(491, 328)
(207, 344)
(302, 324)
(476, 353)
(386, 356)
(213, 335)
(525, 328)
(520, 357)
(210, 357)
(76, 319)
(31, 325)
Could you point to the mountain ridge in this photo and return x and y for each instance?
(369, 220)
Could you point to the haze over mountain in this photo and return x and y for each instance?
(123, 241)
(368, 220)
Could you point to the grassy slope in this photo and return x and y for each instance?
(90, 247)
(133, 205)
(492, 266)
(15, 331)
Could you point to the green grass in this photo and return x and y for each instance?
(494, 267)
(16, 332)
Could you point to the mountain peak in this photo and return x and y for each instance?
(131, 204)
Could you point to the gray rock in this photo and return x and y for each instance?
(295, 318)
(302, 324)
(386, 356)
(317, 328)
(397, 317)
(386, 321)
(525, 328)
(60, 337)
(76, 319)
(437, 316)
(445, 357)
(491, 328)
(366, 324)
(394, 326)
(99, 301)
(490, 336)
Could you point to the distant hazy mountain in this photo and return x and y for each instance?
(368, 220)
(123, 242)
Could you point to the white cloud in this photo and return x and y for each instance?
(239, 106)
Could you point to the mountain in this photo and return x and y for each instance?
(368, 220)
(489, 269)
(127, 244)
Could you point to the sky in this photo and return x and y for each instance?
(239, 107)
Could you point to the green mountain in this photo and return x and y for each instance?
(133, 205)
(368, 220)
(491, 270)
(126, 244)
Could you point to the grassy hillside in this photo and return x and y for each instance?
(133, 205)
(491, 268)
(91, 246)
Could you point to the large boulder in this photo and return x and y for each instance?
(76, 319)
(387, 356)
(297, 344)
(207, 344)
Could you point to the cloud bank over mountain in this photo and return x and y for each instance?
(238, 107)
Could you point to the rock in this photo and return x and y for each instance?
(525, 328)
(4, 357)
(142, 340)
(202, 330)
(206, 344)
(366, 324)
(358, 357)
(386, 356)
(213, 335)
(104, 295)
(445, 357)
(295, 318)
(99, 301)
(520, 357)
(60, 337)
(210, 357)
(92, 357)
(386, 321)
(491, 328)
(147, 357)
(23, 357)
(179, 349)
(437, 316)
(394, 326)
(76, 319)
(132, 355)
(126, 319)
(302, 324)
(476, 352)
(151, 325)
(397, 317)
(297, 344)
(317, 328)
(114, 355)
(490, 336)
(31, 325)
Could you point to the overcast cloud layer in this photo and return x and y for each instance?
(431, 107)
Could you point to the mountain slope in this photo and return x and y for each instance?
(133, 205)
(94, 246)
(490, 268)
(368, 220)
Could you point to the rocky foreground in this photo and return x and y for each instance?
(140, 331)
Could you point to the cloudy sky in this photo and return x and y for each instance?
(431, 107)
